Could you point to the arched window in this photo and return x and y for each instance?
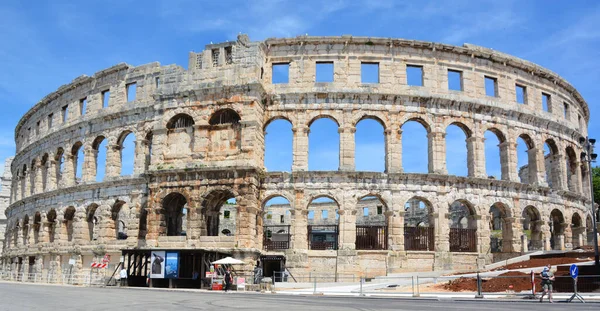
(371, 224)
(180, 136)
(119, 215)
(51, 218)
(278, 146)
(323, 223)
(99, 147)
(224, 116)
(415, 147)
(323, 145)
(275, 223)
(370, 146)
(174, 210)
(92, 222)
(127, 153)
(68, 218)
(78, 159)
(180, 121)
(419, 233)
(218, 209)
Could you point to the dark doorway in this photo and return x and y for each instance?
(273, 267)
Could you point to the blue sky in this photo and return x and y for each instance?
(47, 44)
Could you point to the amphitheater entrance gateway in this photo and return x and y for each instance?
(323, 224)
(174, 209)
(532, 230)
(419, 230)
(501, 231)
(463, 227)
(371, 224)
(273, 267)
(276, 224)
(219, 211)
(557, 230)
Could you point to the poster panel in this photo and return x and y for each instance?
(157, 265)
(172, 265)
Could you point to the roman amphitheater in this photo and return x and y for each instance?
(199, 185)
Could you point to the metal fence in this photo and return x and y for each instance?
(323, 237)
(84, 279)
(276, 237)
(371, 237)
(419, 238)
(463, 240)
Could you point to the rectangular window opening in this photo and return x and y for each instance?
(455, 81)
(157, 81)
(365, 211)
(324, 72)
(546, 102)
(491, 86)
(369, 72)
(215, 57)
(379, 210)
(228, 55)
(311, 214)
(521, 92)
(579, 119)
(226, 214)
(131, 91)
(324, 214)
(65, 113)
(566, 111)
(414, 75)
(82, 106)
(50, 117)
(37, 127)
(105, 98)
(281, 73)
(282, 219)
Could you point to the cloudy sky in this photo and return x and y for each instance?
(48, 43)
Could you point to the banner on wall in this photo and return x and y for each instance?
(157, 265)
(172, 265)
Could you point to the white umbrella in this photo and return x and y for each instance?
(228, 261)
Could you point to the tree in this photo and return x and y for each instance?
(596, 184)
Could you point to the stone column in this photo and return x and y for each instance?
(147, 154)
(246, 227)
(396, 229)
(577, 178)
(567, 236)
(300, 148)
(347, 148)
(537, 240)
(437, 152)
(89, 166)
(508, 161)
(556, 172)
(511, 240)
(476, 156)
(483, 234)
(347, 229)
(393, 150)
(113, 161)
(442, 231)
(546, 235)
(37, 180)
(68, 175)
(537, 167)
(139, 165)
(299, 227)
(52, 181)
(25, 185)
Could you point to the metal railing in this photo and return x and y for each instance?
(463, 240)
(323, 237)
(419, 238)
(83, 279)
(276, 237)
(371, 237)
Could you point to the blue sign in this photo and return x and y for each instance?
(172, 265)
(574, 271)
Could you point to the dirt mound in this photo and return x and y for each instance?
(518, 280)
(540, 262)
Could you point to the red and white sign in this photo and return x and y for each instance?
(106, 258)
(99, 265)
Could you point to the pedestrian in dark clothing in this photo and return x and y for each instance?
(228, 279)
(547, 280)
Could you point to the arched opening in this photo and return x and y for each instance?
(24, 181)
(224, 116)
(219, 210)
(143, 225)
(119, 216)
(551, 160)
(99, 149)
(532, 228)
(26, 230)
(92, 222)
(148, 150)
(16, 233)
(60, 163)
(32, 177)
(415, 147)
(493, 164)
(44, 168)
(278, 146)
(525, 159)
(37, 224)
(500, 230)
(323, 145)
(457, 150)
(68, 219)
(370, 146)
(51, 218)
(180, 136)
(578, 231)
(557, 226)
(175, 212)
(127, 153)
(276, 221)
(419, 228)
(463, 227)
(78, 159)
(371, 224)
(323, 223)
(571, 169)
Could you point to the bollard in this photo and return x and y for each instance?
(362, 280)
(315, 287)
(479, 294)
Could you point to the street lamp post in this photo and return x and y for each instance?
(589, 156)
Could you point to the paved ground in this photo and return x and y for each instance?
(15, 296)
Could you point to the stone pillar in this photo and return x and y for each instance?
(67, 178)
(524, 243)
(483, 234)
(300, 148)
(113, 161)
(147, 154)
(437, 152)
(53, 179)
(508, 161)
(37, 179)
(396, 229)
(246, 226)
(537, 240)
(25, 185)
(299, 222)
(476, 156)
(511, 234)
(347, 148)
(139, 165)
(567, 235)
(556, 172)
(442, 230)
(347, 229)
(393, 150)
(89, 165)
(577, 176)
(537, 167)
(546, 235)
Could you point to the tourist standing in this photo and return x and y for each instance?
(123, 276)
(228, 279)
(547, 280)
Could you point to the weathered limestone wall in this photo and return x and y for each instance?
(5, 185)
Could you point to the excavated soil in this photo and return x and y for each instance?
(540, 262)
(518, 280)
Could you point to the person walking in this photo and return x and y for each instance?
(123, 276)
(547, 280)
(228, 279)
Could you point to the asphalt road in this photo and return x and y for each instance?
(15, 297)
